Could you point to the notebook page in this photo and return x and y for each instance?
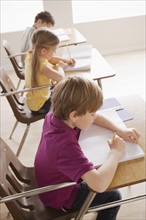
(94, 142)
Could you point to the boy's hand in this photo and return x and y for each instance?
(117, 144)
(129, 134)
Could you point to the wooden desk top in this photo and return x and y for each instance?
(75, 37)
(133, 171)
(100, 69)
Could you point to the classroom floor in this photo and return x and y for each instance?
(130, 79)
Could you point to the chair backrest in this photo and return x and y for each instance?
(17, 67)
(15, 178)
(17, 102)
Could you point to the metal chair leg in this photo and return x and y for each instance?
(86, 205)
(16, 123)
(22, 140)
(18, 84)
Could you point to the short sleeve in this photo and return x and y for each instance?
(72, 162)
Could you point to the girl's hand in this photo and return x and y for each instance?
(62, 64)
(129, 134)
(70, 62)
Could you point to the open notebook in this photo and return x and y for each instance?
(94, 142)
(81, 53)
(61, 34)
(80, 65)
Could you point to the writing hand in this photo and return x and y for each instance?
(117, 144)
(71, 62)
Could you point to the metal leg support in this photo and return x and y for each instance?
(15, 125)
(23, 140)
(86, 205)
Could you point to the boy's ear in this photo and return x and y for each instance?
(39, 21)
(73, 116)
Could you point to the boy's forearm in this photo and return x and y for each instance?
(108, 170)
(100, 180)
(102, 121)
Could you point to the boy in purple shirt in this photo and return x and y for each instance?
(59, 157)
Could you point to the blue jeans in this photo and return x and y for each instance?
(100, 198)
(44, 109)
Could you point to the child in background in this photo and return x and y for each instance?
(42, 19)
(59, 157)
(41, 68)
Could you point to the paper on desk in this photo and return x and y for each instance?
(81, 64)
(113, 103)
(58, 31)
(61, 34)
(94, 142)
(83, 51)
(63, 37)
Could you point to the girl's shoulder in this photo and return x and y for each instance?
(45, 63)
(28, 57)
(29, 54)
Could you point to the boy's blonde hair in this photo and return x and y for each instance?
(42, 38)
(76, 94)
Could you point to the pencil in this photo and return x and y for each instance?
(69, 52)
(114, 136)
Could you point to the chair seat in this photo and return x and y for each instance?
(15, 178)
(26, 117)
(52, 214)
(18, 106)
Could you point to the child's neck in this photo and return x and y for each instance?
(69, 123)
(35, 26)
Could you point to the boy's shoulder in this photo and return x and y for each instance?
(29, 30)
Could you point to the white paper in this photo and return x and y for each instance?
(81, 64)
(83, 51)
(94, 142)
(61, 34)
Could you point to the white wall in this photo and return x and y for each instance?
(109, 36)
(114, 36)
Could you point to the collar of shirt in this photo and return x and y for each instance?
(56, 122)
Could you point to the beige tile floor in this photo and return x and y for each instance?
(130, 79)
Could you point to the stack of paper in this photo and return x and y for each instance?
(94, 142)
(114, 104)
(61, 34)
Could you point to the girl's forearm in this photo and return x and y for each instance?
(56, 59)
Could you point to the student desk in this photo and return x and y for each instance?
(133, 171)
(129, 172)
(75, 37)
(100, 69)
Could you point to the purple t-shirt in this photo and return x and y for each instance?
(59, 159)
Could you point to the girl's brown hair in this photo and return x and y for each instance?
(76, 94)
(42, 38)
